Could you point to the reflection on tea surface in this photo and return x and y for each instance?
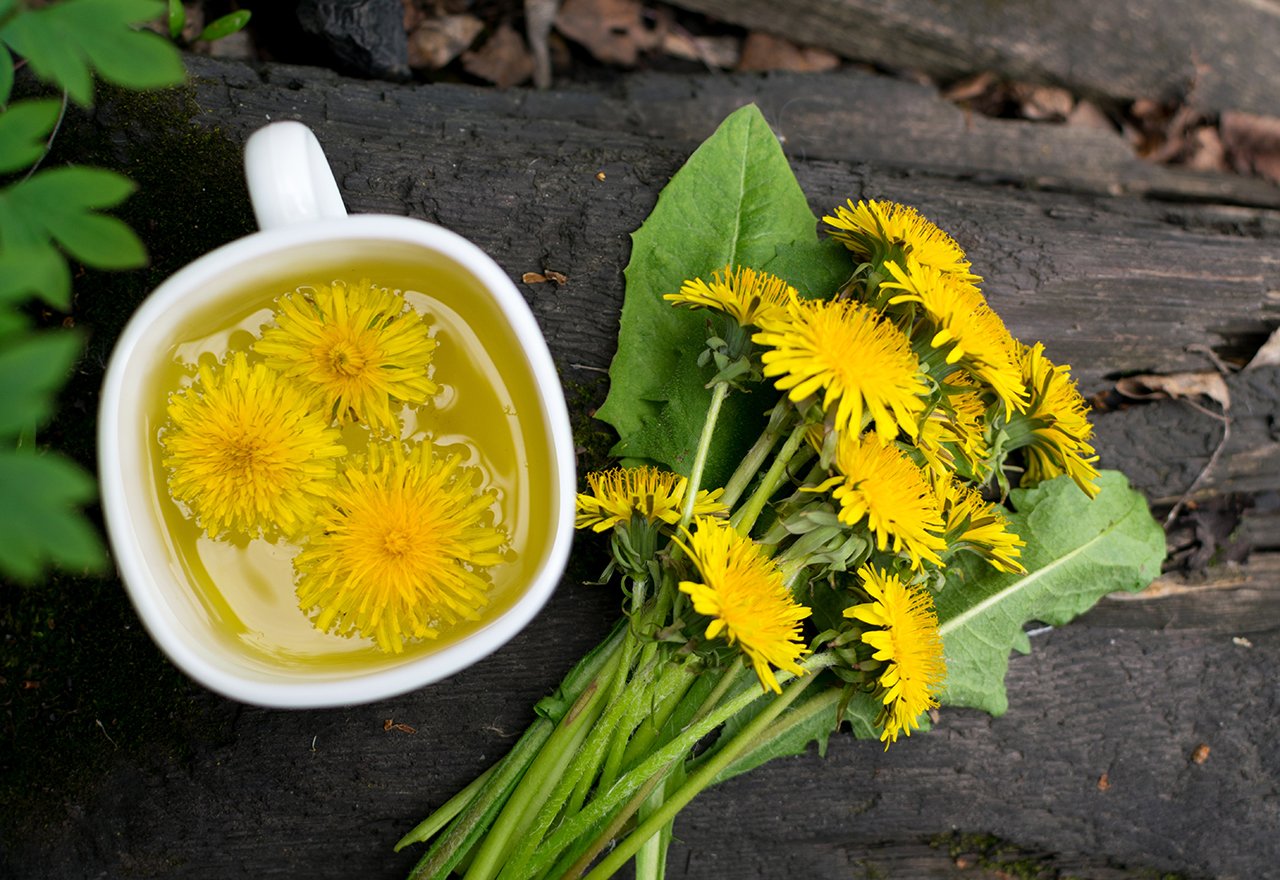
(448, 489)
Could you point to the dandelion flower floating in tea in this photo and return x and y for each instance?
(742, 591)
(402, 547)
(655, 495)
(906, 639)
(859, 361)
(246, 451)
(359, 347)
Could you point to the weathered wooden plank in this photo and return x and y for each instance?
(1112, 285)
(894, 123)
(1230, 599)
(1218, 56)
(1165, 446)
(325, 793)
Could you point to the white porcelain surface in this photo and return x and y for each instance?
(298, 206)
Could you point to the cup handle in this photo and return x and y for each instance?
(289, 178)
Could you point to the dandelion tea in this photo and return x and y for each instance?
(429, 439)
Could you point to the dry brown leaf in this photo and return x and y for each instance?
(613, 31)
(763, 51)
(1042, 103)
(543, 277)
(720, 53)
(503, 60)
(437, 41)
(977, 86)
(1206, 152)
(1252, 142)
(1201, 754)
(1104, 781)
(1184, 385)
(414, 15)
(1086, 114)
(1268, 355)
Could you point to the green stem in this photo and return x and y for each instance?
(588, 749)
(797, 717)
(654, 766)
(756, 455)
(665, 697)
(430, 826)
(453, 846)
(651, 858)
(704, 777)
(640, 744)
(745, 517)
(541, 777)
(718, 394)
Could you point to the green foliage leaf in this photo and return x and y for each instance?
(24, 128)
(810, 721)
(177, 18)
(35, 270)
(40, 497)
(60, 204)
(1077, 551)
(736, 202)
(31, 371)
(11, 323)
(6, 75)
(66, 42)
(226, 25)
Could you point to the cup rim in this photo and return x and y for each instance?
(363, 687)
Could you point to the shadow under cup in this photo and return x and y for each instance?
(225, 611)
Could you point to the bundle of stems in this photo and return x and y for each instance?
(629, 737)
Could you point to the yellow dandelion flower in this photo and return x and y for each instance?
(977, 525)
(245, 450)
(403, 547)
(360, 348)
(879, 483)
(880, 230)
(956, 426)
(859, 360)
(907, 642)
(620, 493)
(963, 323)
(746, 295)
(743, 593)
(1055, 429)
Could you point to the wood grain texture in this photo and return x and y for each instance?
(1216, 56)
(1112, 283)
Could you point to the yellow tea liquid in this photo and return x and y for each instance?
(487, 408)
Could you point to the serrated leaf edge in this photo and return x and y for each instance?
(1030, 579)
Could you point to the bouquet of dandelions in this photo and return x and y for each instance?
(851, 564)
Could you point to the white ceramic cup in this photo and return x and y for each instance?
(304, 226)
